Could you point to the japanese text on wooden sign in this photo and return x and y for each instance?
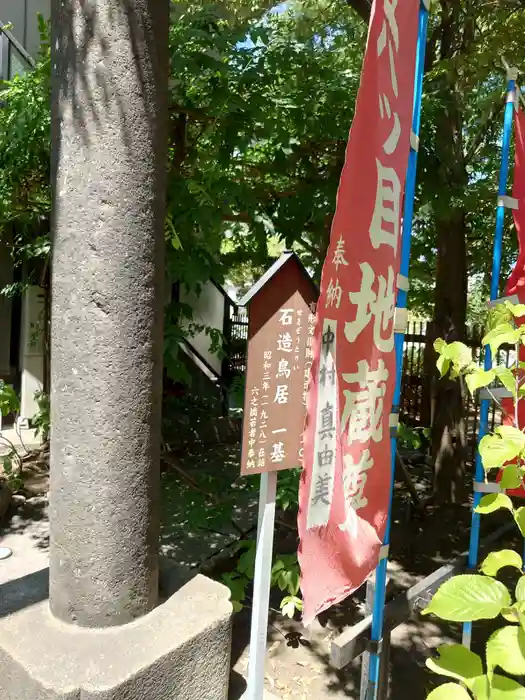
(280, 354)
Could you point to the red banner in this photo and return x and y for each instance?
(345, 488)
(516, 283)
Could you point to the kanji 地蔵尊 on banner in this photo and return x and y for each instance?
(345, 489)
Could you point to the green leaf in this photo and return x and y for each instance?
(283, 580)
(246, 563)
(511, 614)
(295, 583)
(237, 585)
(285, 574)
(506, 649)
(457, 354)
(244, 545)
(509, 432)
(455, 661)
(479, 378)
(499, 560)
(520, 590)
(496, 451)
(9, 402)
(517, 310)
(497, 315)
(507, 378)
(504, 334)
(469, 597)
(460, 355)
(501, 688)
(443, 365)
(439, 345)
(277, 567)
(290, 604)
(511, 477)
(493, 502)
(288, 609)
(519, 517)
(520, 611)
(449, 691)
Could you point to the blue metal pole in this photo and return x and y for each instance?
(408, 213)
(494, 293)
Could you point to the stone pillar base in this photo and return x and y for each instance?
(179, 651)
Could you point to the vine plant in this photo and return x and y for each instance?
(13, 456)
(11, 459)
(481, 596)
(285, 575)
(285, 569)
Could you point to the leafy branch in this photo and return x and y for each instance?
(481, 596)
(285, 575)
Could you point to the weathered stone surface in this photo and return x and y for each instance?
(179, 651)
(18, 499)
(109, 109)
(36, 484)
(37, 502)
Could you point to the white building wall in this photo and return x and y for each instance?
(208, 311)
(22, 14)
(31, 351)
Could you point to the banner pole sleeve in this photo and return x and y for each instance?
(494, 293)
(408, 213)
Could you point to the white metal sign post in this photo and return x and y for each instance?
(261, 586)
(280, 334)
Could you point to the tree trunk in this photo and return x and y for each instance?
(447, 419)
(450, 301)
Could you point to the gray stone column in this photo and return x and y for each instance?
(110, 85)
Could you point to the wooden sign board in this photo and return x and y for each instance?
(280, 337)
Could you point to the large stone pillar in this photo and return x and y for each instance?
(110, 139)
(109, 123)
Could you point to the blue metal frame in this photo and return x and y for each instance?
(410, 189)
(494, 293)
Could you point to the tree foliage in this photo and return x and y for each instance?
(261, 103)
(261, 100)
(25, 199)
(281, 103)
